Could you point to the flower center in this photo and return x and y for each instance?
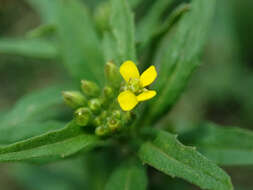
(134, 85)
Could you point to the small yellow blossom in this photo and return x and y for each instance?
(135, 90)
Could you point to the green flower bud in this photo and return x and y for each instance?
(83, 116)
(90, 88)
(116, 114)
(74, 99)
(97, 121)
(128, 118)
(107, 96)
(102, 131)
(112, 74)
(95, 105)
(113, 124)
(108, 92)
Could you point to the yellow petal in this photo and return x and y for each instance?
(129, 70)
(148, 76)
(146, 95)
(127, 100)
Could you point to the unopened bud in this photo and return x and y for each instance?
(74, 99)
(95, 105)
(116, 114)
(113, 124)
(108, 92)
(83, 116)
(102, 130)
(128, 117)
(90, 88)
(97, 121)
(107, 96)
(112, 74)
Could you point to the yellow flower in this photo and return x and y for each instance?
(135, 90)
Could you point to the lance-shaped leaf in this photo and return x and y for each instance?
(110, 48)
(27, 130)
(54, 145)
(225, 146)
(79, 45)
(122, 23)
(168, 155)
(134, 3)
(151, 21)
(31, 108)
(178, 55)
(34, 48)
(129, 176)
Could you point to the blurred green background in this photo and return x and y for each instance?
(219, 91)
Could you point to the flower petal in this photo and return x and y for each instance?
(127, 100)
(129, 70)
(148, 76)
(146, 95)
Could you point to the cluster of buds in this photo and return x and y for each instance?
(97, 107)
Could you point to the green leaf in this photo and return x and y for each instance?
(129, 176)
(54, 145)
(172, 19)
(122, 23)
(150, 22)
(35, 48)
(110, 48)
(178, 55)
(50, 176)
(25, 117)
(26, 130)
(79, 45)
(134, 3)
(225, 146)
(168, 155)
(34, 106)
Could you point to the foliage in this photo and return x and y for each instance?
(121, 146)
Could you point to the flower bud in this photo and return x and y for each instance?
(108, 92)
(128, 118)
(90, 88)
(83, 116)
(95, 105)
(74, 99)
(113, 124)
(112, 74)
(116, 114)
(102, 130)
(97, 121)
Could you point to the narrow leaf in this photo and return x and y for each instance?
(122, 23)
(79, 45)
(56, 144)
(26, 118)
(27, 130)
(129, 176)
(168, 155)
(178, 55)
(35, 48)
(33, 106)
(110, 48)
(225, 146)
(134, 3)
(151, 21)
